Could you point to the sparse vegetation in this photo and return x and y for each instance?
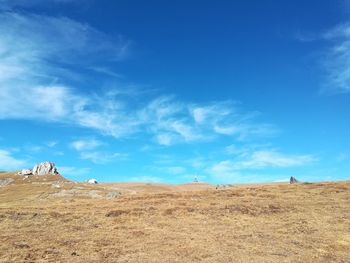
(161, 223)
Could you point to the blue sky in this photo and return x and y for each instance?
(165, 91)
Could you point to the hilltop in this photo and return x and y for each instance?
(51, 219)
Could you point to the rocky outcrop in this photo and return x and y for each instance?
(44, 169)
(92, 181)
(293, 180)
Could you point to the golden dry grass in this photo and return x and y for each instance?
(256, 223)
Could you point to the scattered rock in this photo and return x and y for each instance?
(223, 186)
(25, 172)
(113, 194)
(74, 192)
(92, 181)
(116, 213)
(293, 180)
(57, 184)
(93, 194)
(45, 168)
(6, 181)
(21, 244)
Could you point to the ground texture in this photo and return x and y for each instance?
(48, 219)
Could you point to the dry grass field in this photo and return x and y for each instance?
(49, 219)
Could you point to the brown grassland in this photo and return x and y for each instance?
(49, 219)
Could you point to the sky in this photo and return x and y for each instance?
(169, 91)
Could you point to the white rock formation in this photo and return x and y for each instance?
(92, 181)
(44, 168)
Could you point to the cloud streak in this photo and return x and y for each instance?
(37, 48)
(98, 157)
(83, 145)
(337, 60)
(33, 86)
(166, 119)
(9, 163)
(253, 160)
(12, 4)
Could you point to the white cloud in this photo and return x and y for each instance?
(73, 171)
(87, 144)
(230, 130)
(224, 169)
(212, 113)
(86, 148)
(186, 131)
(146, 179)
(51, 144)
(341, 157)
(102, 157)
(58, 153)
(336, 60)
(10, 163)
(36, 47)
(271, 158)
(169, 123)
(31, 87)
(106, 72)
(9, 4)
(175, 170)
(165, 139)
(34, 148)
(199, 115)
(43, 103)
(258, 159)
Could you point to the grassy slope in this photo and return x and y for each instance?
(262, 223)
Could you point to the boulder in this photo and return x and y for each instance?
(92, 181)
(293, 180)
(113, 194)
(45, 168)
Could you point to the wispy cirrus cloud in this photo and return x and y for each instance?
(51, 144)
(11, 4)
(146, 179)
(38, 48)
(88, 150)
(257, 160)
(33, 86)
(273, 158)
(169, 121)
(9, 163)
(99, 157)
(73, 171)
(336, 60)
(85, 144)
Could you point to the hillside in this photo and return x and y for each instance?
(51, 219)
